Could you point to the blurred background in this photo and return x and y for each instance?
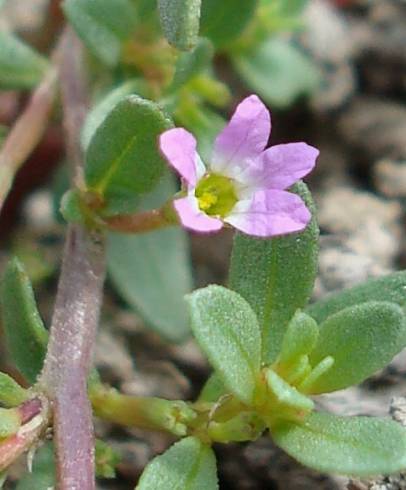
(333, 73)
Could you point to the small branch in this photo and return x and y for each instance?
(138, 223)
(77, 306)
(27, 132)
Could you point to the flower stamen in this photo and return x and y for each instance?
(216, 195)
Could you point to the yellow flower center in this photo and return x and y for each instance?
(216, 195)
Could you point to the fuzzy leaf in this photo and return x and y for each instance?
(277, 71)
(224, 21)
(123, 159)
(389, 288)
(362, 339)
(359, 446)
(20, 66)
(103, 25)
(227, 330)
(287, 395)
(180, 22)
(101, 110)
(152, 271)
(300, 337)
(276, 277)
(187, 465)
(25, 334)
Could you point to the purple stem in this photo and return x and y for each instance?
(78, 302)
(69, 358)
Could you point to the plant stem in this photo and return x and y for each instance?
(69, 357)
(26, 132)
(77, 306)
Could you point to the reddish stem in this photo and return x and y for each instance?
(26, 132)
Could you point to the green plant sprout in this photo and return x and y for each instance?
(272, 351)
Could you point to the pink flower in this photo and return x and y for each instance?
(243, 185)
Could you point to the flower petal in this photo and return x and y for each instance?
(270, 213)
(280, 166)
(179, 148)
(193, 218)
(245, 136)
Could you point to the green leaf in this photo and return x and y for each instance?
(224, 21)
(123, 159)
(20, 66)
(300, 337)
(227, 330)
(152, 271)
(390, 288)
(99, 112)
(187, 465)
(180, 22)
(25, 334)
(359, 446)
(103, 25)
(287, 395)
(192, 63)
(362, 339)
(42, 476)
(277, 71)
(11, 393)
(276, 277)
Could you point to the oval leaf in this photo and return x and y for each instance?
(102, 24)
(187, 465)
(123, 160)
(25, 333)
(390, 288)
(276, 277)
(152, 271)
(227, 330)
(20, 65)
(362, 339)
(359, 446)
(180, 22)
(99, 112)
(300, 337)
